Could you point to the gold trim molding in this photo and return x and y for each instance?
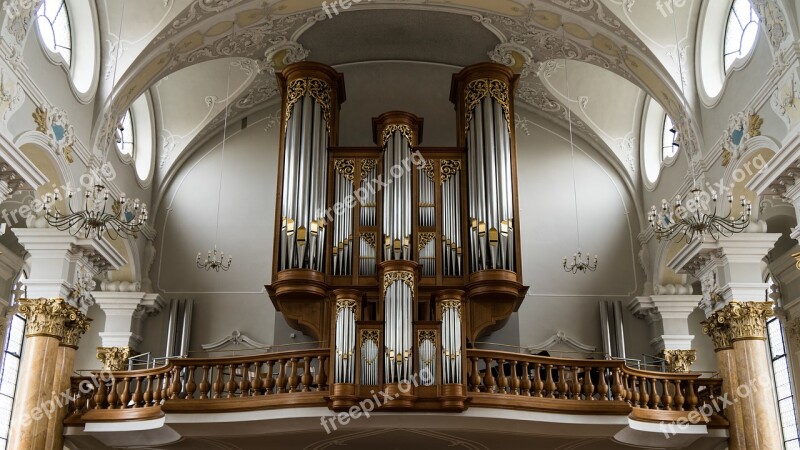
(389, 278)
(391, 129)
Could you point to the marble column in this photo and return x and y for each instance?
(65, 364)
(755, 392)
(33, 408)
(726, 362)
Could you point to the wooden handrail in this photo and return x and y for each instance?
(495, 379)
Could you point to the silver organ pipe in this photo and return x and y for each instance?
(427, 357)
(427, 195)
(427, 255)
(367, 255)
(342, 251)
(451, 205)
(397, 193)
(451, 342)
(369, 357)
(398, 340)
(311, 101)
(345, 341)
(491, 204)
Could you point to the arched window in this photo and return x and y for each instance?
(125, 139)
(52, 19)
(780, 371)
(741, 32)
(668, 146)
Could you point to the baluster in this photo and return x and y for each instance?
(232, 385)
(616, 387)
(502, 381)
(475, 376)
(562, 383)
(525, 386)
(322, 376)
(148, 392)
(667, 397)
(270, 381)
(306, 380)
(654, 397)
(218, 384)
(113, 397)
(126, 393)
(514, 379)
(137, 393)
(281, 383)
(626, 386)
(602, 384)
(177, 385)
(691, 396)
(488, 376)
(191, 386)
(538, 385)
(576, 384)
(244, 384)
(166, 385)
(205, 386)
(293, 378)
(635, 391)
(588, 387)
(100, 395)
(158, 393)
(80, 401)
(644, 397)
(258, 384)
(679, 398)
(550, 385)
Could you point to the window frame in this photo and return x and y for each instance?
(741, 60)
(128, 157)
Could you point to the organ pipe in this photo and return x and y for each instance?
(311, 97)
(451, 342)
(398, 288)
(484, 94)
(345, 341)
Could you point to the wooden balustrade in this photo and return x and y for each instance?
(300, 378)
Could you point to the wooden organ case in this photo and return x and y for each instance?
(397, 256)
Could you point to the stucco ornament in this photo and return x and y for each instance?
(54, 123)
(741, 127)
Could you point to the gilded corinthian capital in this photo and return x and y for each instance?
(679, 361)
(717, 329)
(47, 316)
(114, 358)
(74, 329)
(747, 320)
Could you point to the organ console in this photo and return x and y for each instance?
(396, 256)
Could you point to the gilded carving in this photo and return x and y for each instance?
(451, 305)
(345, 304)
(389, 278)
(367, 166)
(746, 320)
(391, 129)
(46, 317)
(719, 332)
(318, 89)
(369, 238)
(480, 89)
(679, 361)
(114, 358)
(429, 169)
(424, 240)
(425, 337)
(54, 124)
(450, 168)
(74, 329)
(346, 168)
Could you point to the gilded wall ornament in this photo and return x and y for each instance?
(741, 127)
(479, 89)
(679, 361)
(747, 320)
(55, 125)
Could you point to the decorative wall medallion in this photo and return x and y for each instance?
(11, 95)
(772, 17)
(741, 127)
(515, 56)
(785, 99)
(56, 126)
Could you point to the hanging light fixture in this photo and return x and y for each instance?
(578, 263)
(94, 218)
(216, 259)
(699, 217)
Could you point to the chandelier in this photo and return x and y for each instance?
(579, 263)
(94, 219)
(697, 219)
(215, 260)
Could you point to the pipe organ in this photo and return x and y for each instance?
(397, 255)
